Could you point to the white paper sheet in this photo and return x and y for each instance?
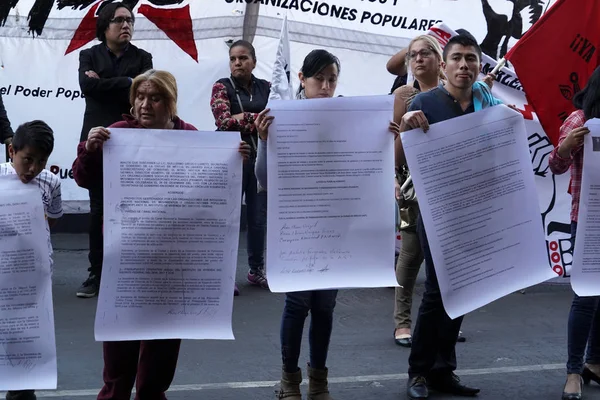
(585, 272)
(172, 203)
(28, 346)
(330, 192)
(479, 205)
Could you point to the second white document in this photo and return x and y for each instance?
(331, 200)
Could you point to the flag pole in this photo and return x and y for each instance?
(499, 66)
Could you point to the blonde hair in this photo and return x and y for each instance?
(431, 42)
(433, 45)
(165, 83)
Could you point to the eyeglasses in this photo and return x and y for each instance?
(424, 53)
(121, 20)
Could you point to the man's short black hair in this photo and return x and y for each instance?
(106, 14)
(463, 40)
(36, 135)
(465, 32)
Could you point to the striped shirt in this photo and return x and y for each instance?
(574, 162)
(49, 185)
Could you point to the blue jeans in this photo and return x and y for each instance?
(584, 328)
(320, 303)
(256, 217)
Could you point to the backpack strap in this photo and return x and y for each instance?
(237, 95)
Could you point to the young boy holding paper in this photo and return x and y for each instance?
(31, 146)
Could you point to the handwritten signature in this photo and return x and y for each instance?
(204, 311)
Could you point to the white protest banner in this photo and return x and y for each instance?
(40, 60)
(172, 216)
(39, 55)
(28, 351)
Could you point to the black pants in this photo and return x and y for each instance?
(256, 217)
(434, 337)
(95, 234)
(583, 327)
(21, 395)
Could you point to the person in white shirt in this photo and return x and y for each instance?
(31, 146)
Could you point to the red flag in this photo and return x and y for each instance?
(556, 57)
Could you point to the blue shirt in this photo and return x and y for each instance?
(438, 105)
(482, 96)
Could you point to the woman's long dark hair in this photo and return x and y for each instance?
(316, 61)
(588, 99)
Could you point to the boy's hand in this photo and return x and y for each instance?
(96, 138)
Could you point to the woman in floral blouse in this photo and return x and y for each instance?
(235, 103)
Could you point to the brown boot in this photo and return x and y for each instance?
(290, 385)
(317, 384)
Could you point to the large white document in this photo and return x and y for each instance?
(172, 203)
(330, 192)
(28, 346)
(479, 205)
(585, 272)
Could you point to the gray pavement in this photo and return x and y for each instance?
(515, 349)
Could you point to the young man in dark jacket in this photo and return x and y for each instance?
(106, 71)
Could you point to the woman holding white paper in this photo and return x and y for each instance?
(151, 364)
(584, 317)
(318, 77)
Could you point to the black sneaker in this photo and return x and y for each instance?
(89, 288)
(21, 395)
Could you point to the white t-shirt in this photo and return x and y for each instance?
(49, 185)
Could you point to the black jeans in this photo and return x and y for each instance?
(256, 218)
(96, 236)
(584, 328)
(21, 395)
(320, 303)
(434, 337)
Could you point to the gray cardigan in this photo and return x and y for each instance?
(260, 168)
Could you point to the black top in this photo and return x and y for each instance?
(253, 101)
(5, 129)
(107, 98)
(400, 80)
